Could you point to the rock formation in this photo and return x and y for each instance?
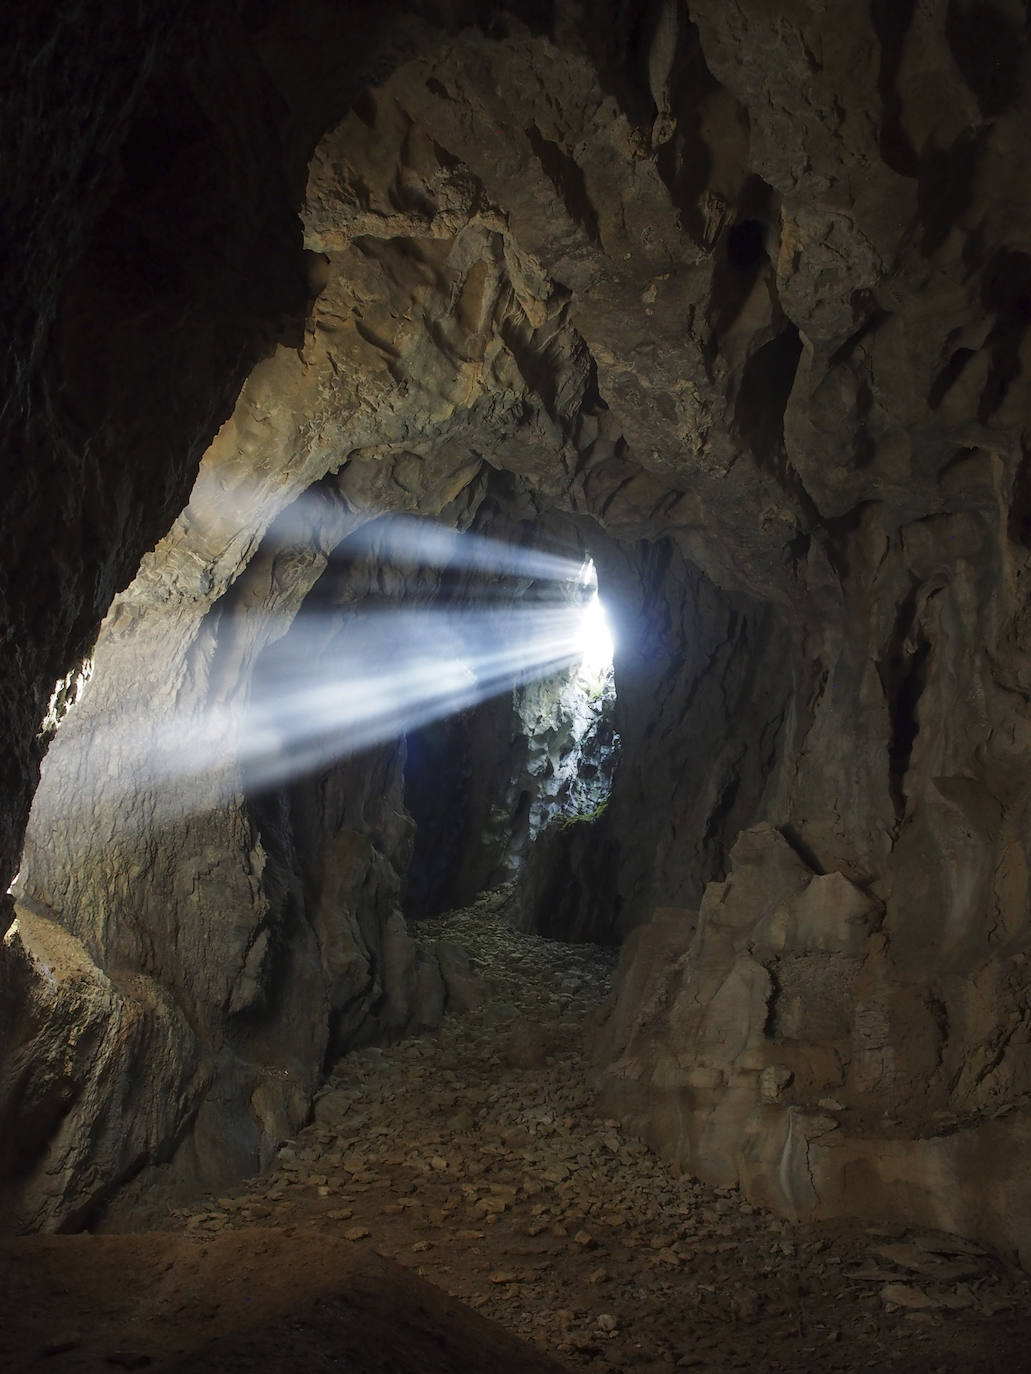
(732, 297)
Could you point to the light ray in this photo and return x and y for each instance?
(325, 520)
(332, 683)
(408, 539)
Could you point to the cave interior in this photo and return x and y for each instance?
(349, 348)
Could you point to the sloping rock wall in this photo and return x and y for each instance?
(777, 1040)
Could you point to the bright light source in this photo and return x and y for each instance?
(594, 638)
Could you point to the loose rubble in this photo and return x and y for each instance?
(473, 1156)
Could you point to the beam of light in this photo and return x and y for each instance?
(390, 673)
(328, 684)
(409, 539)
(331, 685)
(323, 519)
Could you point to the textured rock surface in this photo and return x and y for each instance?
(478, 1158)
(772, 1042)
(83, 1047)
(742, 297)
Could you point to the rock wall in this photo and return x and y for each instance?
(132, 321)
(778, 1041)
(744, 296)
(264, 920)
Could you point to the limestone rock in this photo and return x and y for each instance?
(66, 1090)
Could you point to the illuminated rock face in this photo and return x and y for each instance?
(741, 304)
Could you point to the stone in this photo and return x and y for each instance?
(915, 1257)
(773, 1080)
(907, 1295)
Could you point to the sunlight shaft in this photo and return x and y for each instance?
(334, 682)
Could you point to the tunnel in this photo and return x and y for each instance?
(358, 354)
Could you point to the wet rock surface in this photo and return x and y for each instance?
(474, 1158)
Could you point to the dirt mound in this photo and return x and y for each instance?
(295, 1302)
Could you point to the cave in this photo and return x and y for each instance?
(352, 352)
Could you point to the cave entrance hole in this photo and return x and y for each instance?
(482, 785)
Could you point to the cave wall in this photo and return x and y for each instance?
(745, 292)
(128, 335)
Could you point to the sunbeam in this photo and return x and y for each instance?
(332, 682)
(391, 672)
(421, 543)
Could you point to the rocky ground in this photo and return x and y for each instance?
(470, 1162)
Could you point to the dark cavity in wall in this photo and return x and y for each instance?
(903, 674)
(746, 243)
(685, 161)
(1006, 291)
(742, 256)
(986, 47)
(946, 185)
(1018, 525)
(891, 20)
(766, 385)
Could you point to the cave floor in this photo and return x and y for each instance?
(456, 1206)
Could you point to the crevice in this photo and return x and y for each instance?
(902, 670)
(891, 21)
(712, 839)
(948, 376)
(1018, 519)
(770, 1024)
(835, 534)
(961, 456)
(946, 186)
(746, 244)
(870, 325)
(1006, 291)
(740, 258)
(797, 548)
(685, 161)
(766, 384)
(802, 849)
(987, 48)
(539, 364)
